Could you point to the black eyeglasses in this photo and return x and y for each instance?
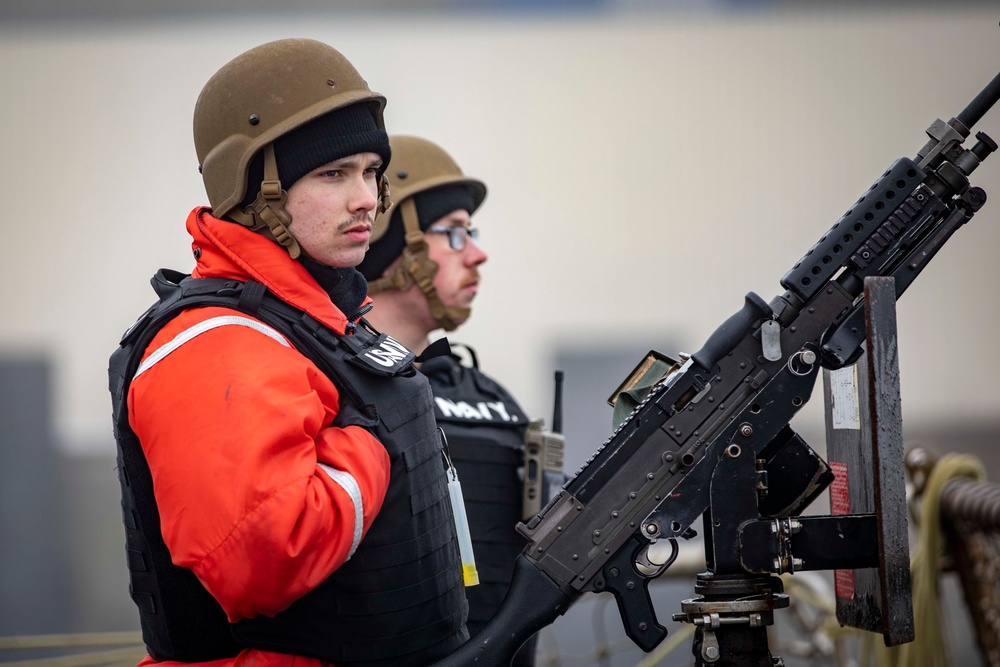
(458, 235)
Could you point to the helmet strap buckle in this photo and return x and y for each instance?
(268, 210)
(271, 191)
(384, 200)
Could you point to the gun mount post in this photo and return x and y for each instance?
(731, 616)
(733, 608)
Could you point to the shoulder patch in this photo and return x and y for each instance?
(388, 353)
(382, 355)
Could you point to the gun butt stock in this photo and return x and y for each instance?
(533, 601)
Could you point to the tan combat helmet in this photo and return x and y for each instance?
(418, 167)
(257, 98)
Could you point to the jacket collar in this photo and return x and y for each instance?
(227, 250)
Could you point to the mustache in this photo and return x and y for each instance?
(355, 220)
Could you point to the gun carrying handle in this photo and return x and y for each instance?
(533, 601)
(724, 339)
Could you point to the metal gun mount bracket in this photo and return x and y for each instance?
(864, 434)
(864, 540)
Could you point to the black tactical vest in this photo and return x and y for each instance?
(399, 600)
(485, 429)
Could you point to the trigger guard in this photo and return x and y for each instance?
(656, 569)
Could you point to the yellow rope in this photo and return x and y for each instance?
(928, 648)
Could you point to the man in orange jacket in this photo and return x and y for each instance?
(284, 488)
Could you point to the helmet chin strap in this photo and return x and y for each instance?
(267, 212)
(384, 198)
(417, 268)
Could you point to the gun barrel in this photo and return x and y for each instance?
(984, 102)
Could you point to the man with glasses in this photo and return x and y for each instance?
(423, 274)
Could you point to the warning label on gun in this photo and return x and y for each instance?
(844, 395)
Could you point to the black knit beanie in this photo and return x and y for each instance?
(340, 133)
(432, 205)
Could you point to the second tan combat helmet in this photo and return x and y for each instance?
(424, 177)
(256, 99)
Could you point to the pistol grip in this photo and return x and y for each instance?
(631, 591)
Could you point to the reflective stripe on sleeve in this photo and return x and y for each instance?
(202, 327)
(349, 484)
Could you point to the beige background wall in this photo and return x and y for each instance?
(645, 171)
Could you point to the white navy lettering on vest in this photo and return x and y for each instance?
(389, 353)
(480, 411)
